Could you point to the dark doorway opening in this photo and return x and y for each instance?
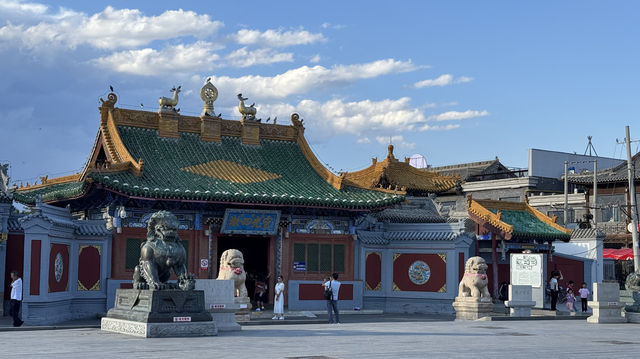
(255, 250)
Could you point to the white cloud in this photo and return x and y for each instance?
(276, 38)
(365, 118)
(315, 59)
(448, 127)
(328, 25)
(109, 29)
(442, 80)
(22, 8)
(457, 115)
(397, 140)
(303, 79)
(150, 62)
(363, 140)
(245, 58)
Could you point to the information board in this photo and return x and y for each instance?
(526, 269)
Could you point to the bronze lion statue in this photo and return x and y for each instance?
(161, 253)
(232, 267)
(474, 282)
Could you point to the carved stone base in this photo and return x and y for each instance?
(606, 312)
(158, 306)
(243, 314)
(159, 330)
(519, 308)
(632, 317)
(469, 308)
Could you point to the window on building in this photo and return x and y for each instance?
(132, 256)
(319, 257)
(610, 214)
(133, 253)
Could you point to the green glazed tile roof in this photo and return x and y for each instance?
(186, 168)
(51, 193)
(526, 225)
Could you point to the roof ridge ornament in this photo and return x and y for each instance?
(111, 100)
(248, 113)
(168, 105)
(208, 94)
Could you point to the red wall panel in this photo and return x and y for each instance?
(373, 271)
(34, 285)
(62, 284)
(437, 265)
(15, 260)
(89, 267)
(316, 292)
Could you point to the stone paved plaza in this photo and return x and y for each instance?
(439, 339)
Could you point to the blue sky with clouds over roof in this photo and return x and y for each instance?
(456, 81)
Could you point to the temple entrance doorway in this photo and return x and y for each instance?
(255, 250)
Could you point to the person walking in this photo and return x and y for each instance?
(278, 302)
(553, 287)
(571, 298)
(584, 295)
(331, 287)
(16, 298)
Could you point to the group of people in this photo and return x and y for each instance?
(569, 293)
(260, 296)
(331, 287)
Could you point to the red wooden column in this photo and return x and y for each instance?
(494, 264)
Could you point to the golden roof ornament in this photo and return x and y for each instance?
(169, 104)
(248, 113)
(208, 94)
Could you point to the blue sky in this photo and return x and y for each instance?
(455, 81)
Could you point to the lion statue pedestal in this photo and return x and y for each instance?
(474, 301)
(156, 307)
(232, 267)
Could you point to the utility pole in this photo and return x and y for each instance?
(634, 208)
(595, 193)
(566, 192)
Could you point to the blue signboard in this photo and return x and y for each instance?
(250, 221)
(299, 266)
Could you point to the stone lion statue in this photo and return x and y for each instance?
(232, 267)
(161, 253)
(474, 282)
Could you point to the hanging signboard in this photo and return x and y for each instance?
(526, 269)
(250, 221)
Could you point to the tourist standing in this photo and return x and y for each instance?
(553, 287)
(584, 295)
(16, 298)
(260, 290)
(332, 302)
(278, 302)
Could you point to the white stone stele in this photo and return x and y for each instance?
(469, 308)
(606, 304)
(159, 330)
(519, 302)
(219, 301)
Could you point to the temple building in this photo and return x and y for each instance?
(409, 257)
(248, 185)
(505, 227)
